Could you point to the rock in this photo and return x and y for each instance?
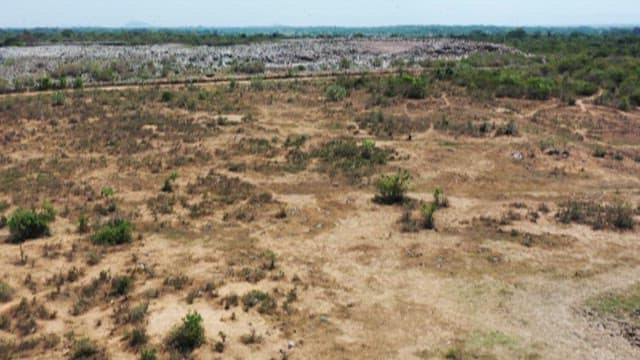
(517, 155)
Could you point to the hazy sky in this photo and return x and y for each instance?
(217, 13)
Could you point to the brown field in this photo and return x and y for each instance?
(259, 205)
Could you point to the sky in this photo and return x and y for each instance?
(227, 13)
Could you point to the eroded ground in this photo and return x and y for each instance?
(264, 199)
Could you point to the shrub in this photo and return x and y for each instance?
(78, 83)
(121, 285)
(510, 129)
(336, 93)
(6, 292)
(392, 188)
(149, 354)
(352, 159)
(87, 349)
(189, 335)
(167, 96)
(58, 99)
(107, 192)
(28, 224)
(599, 153)
(407, 86)
(427, 211)
(116, 232)
(83, 224)
(440, 200)
(168, 183)
(266, 304)
(599, 216)
(137, 338)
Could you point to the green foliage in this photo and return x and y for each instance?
(440, 200)
(407, 86)
(336, 93)
(137, 337)
(600, 216)
(168, 183)
(83, 224)
(29, 224)
(85, 349)
(427, 211)
(392, 188)
(107, 192)
(78, 83)
(266, 304)
(189, 335)
(621, 306)
(353, 160)
(115, 232)
(121, 285)
(149, 354)
(167, 96)
(58, 98)
(599, 153)
(6, 292)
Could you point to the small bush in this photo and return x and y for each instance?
(6, 292)
(107, 192)
(336, 93)
(251, 338)
(137, 337)
(189, 335)
(427, 211)
(392, 188)
(83, 224)
(599, 153)
(116, 232)
(265, 303)
(440, 200)
(85, 349)
(28, 224)
(149, 354)
(599, 216)
(121, 285)
(58, 99)
(168, 183)
(167, 96)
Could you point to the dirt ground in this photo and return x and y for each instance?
(499, 278)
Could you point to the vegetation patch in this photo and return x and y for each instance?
(350, 158)
(115, 232)
(29, 224)
(600, 216)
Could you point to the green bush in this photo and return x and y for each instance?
(189, 335)
(599, 153)
(58, 99)
(116, 232)
(167, 96)
(599, 216)
(440, 200)
(392, 188)
(266, 304)
(336, 93)
(149, 354)
(85, 349)
(28, 224)
(6, 292)
(427, 211)
(407, 86)
(121, 285)
(83, 224)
